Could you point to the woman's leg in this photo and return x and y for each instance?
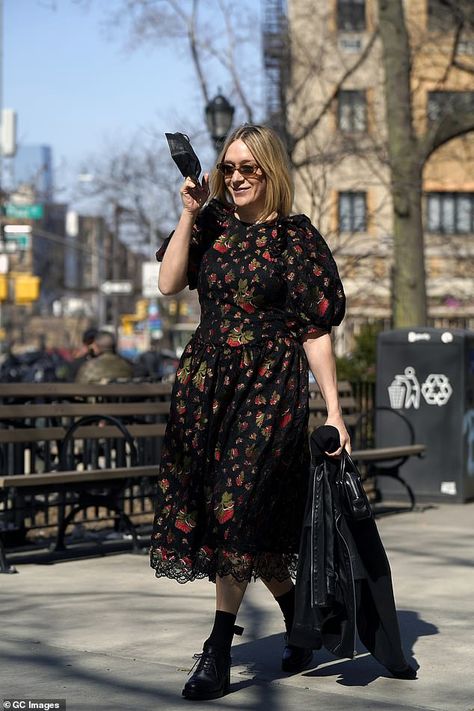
(294, 659)
(284, 593)
(229, 593)
(279, 587)
(212, 677)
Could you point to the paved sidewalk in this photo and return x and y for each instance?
(104, 634)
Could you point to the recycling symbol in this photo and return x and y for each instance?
(436, 389)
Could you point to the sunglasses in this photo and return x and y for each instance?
(247, 170)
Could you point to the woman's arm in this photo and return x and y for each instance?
(322, 363)
(173, 271)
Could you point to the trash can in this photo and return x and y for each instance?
(426, 375)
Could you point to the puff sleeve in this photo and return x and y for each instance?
(196, 249)
(315, 296)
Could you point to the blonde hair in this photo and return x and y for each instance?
(272, 157)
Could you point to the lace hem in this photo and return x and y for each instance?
(208, 563)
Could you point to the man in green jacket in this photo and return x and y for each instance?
(107, 365)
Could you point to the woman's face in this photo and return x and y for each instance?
(248, 193)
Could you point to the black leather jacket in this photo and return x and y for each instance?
(343, 583)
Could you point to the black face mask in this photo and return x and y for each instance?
(183, 155)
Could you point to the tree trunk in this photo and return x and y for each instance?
(409, 283)
(409, 279)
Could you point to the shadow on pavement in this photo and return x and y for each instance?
(361, 671)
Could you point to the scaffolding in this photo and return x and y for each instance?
(276, 58)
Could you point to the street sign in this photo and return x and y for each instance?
(117, 287)
(150, 272)
(20, 235)
(24, 212)
(21, 241)
(8, 247)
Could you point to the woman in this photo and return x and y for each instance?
(235, 458)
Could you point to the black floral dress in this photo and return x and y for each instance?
(235, 458)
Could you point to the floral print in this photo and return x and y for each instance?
(235, 458)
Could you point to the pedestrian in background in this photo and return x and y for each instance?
(107, 364)
(235, 458)
(86, 352)
(149, 364)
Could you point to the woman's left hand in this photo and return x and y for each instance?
(345, 440)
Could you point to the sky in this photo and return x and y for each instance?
(77, 89)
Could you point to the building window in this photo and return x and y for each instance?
(449, 102)
(446, 15)
(352, 212)
(466, 46)
(351, 15)
(450, 213)
(350, 44)
(352, 111)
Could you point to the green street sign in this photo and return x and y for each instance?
(24, 212)
(22, 241)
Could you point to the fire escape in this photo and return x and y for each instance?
(276, 62)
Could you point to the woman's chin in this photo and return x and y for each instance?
(241, 199)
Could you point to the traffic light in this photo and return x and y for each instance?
(173, 307)
(27, 288)
(141, 309)
(3, 287)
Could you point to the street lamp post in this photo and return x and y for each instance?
(118, 211)
(219, 115)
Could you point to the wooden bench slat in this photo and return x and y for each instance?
(387, 453)
(67, 409)
(51, 434)
(70, 477)
(72, 409)
(318, 418)
(347, 403)
(83, 390)
(343, 386)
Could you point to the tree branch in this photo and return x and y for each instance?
(233, 64)
(463, 67)
(451, 126)
(312, 125)
(194, 51)
(454, 50)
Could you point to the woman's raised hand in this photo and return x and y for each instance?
(194, 194)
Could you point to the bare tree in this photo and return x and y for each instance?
(137, 180)
(218, 36)
(410, 150)
(398, 147)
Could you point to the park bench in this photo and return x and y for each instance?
(375, 462)
(83, 446)
(65, 448)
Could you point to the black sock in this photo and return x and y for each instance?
(287, 606)
(223, 631)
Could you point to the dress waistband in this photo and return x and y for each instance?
(243, 335)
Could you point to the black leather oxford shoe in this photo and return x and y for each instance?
(211, 680)
(406, 673)
(295, 659)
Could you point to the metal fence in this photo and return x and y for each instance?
(364, 395)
